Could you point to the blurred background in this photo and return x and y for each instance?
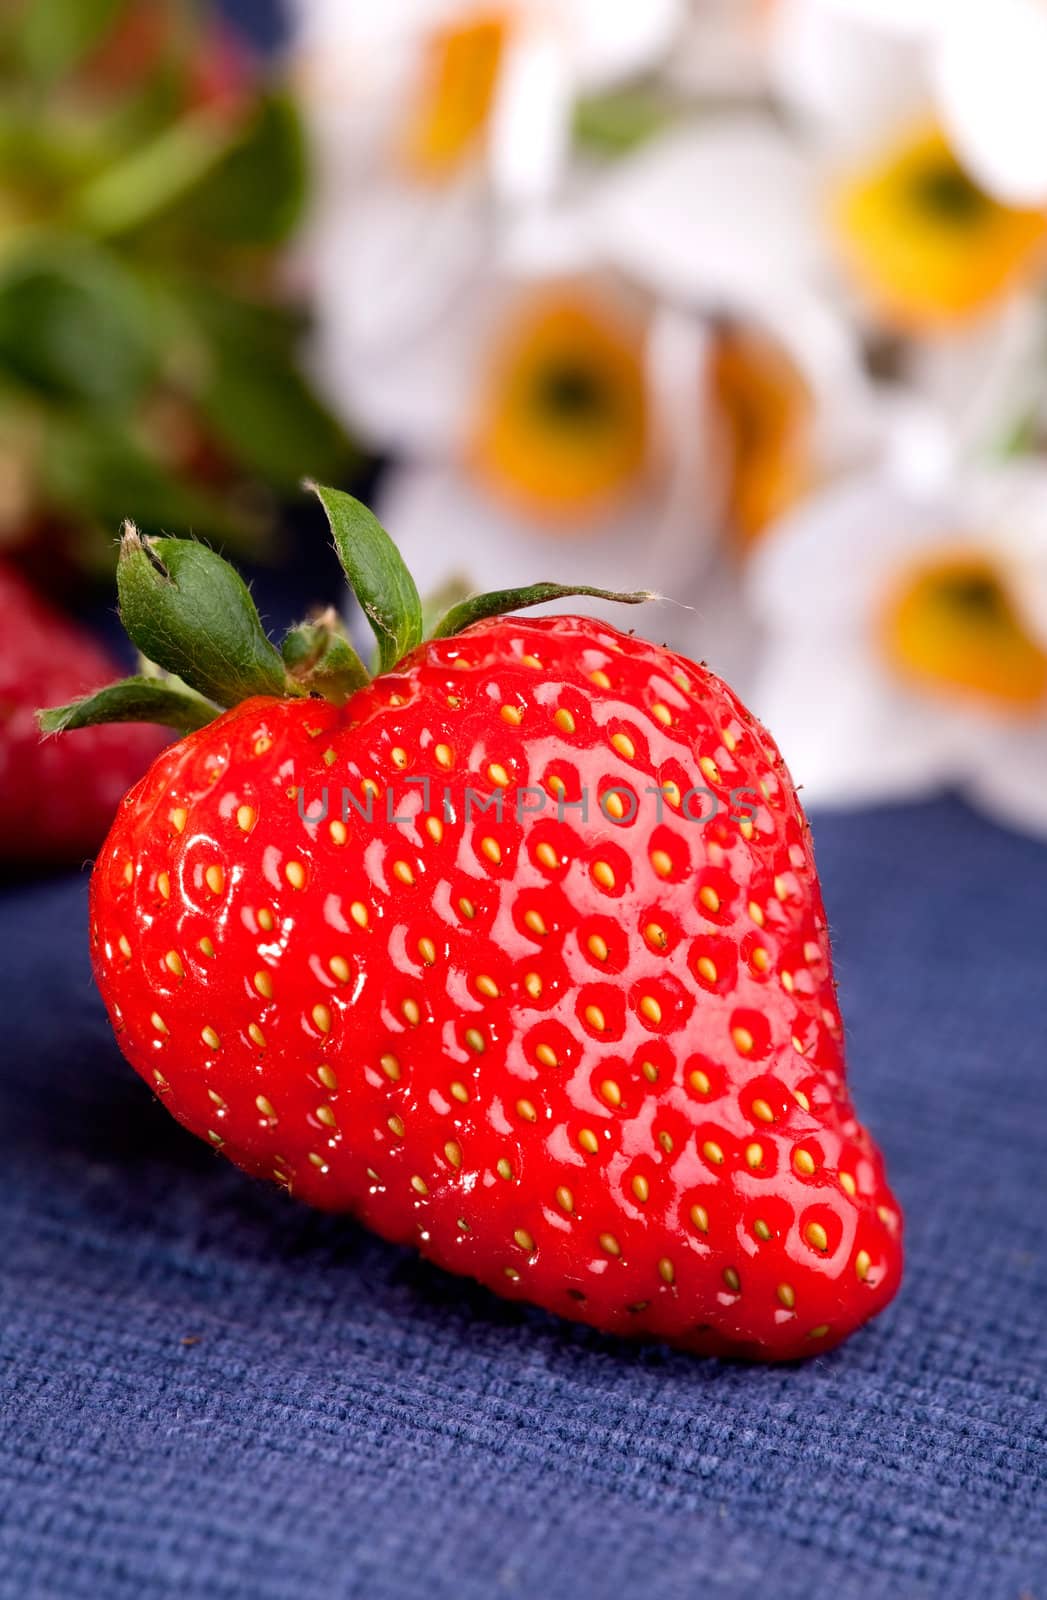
(740, 300)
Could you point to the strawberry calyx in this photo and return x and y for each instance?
(205, 649)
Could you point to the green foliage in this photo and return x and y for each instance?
(611, 124)
(257, 401)
(88, 463)
(46, 38)
(139, 226)
(74, 325)
(254, 196)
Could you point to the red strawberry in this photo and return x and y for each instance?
(593, 1060)
(57, 796)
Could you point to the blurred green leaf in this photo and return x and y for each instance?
(48, 37)
(257, 400)
(255, 195)
(155, 176)
(612, 124)
(91, 468)
(74, 325)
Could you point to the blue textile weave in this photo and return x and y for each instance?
(209, 1392)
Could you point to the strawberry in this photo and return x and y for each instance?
(516, 952)
(57, 797)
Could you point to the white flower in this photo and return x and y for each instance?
(855, 83)
(930, 238)
(906, 641)
(721, 51)
(559, 459)
(986, 63)
(633, 390)
(723, 222)
(432, 120)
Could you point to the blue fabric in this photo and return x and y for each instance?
(262, 21)
(208, 1391)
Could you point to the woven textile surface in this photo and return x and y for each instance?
(208, 1391)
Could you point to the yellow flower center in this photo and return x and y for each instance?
(455, 94)
(764, 411)
(926, 244)
(954, 627)
(562, 424)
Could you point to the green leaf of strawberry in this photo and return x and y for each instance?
(132, 700)
(190, 612)
(320, 657)
(519, 955)
(376, 573)
(475, 608)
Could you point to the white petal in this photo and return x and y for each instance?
(849, 735)
(1007, 511)
(913, 17)
(613, 40)
(551, 240)
(447, 528)
(1010, 777)
(836, 556)
(849, 728)
(722, 50)
(398, 257)
(330, 21)
(403, 304)
(353, 70)
(913, 443)
(720, 630)
(530, 125)
(991, 71)
(855, 83)
(984, 380)
(717, 216)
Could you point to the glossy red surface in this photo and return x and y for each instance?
(595, 1062)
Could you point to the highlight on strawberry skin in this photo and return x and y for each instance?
(509, 942)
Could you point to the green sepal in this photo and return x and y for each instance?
(191, 612)
(132, 700)
(376, 573)
(479, 606)
(321, 659)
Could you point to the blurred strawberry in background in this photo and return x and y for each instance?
(58, 796)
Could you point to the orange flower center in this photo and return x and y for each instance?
(926, 245)
(765, 412)
(953, 627)
(562, 426)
